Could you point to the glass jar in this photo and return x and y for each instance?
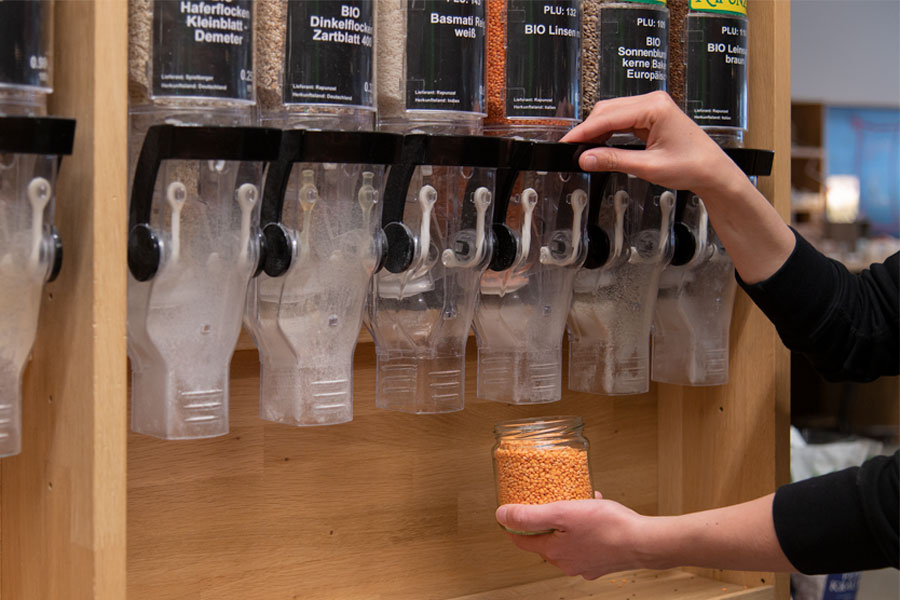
(541, 460)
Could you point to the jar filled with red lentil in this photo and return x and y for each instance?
(533, 68)
(541, 460)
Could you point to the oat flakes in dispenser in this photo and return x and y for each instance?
(195, 166)
(541, 460)
(31, 146)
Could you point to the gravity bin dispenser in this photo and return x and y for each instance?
(193, 245)
(539, 231)
(696, 292)
(629, 233)
(322, 224)
(30, 248)
(437, 224)
(31, 148)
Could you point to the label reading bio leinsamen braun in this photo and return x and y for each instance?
(445, 55)
(542, 59)
(24, 47)
(634, 44)
(203, 49)
(716, 70)
(328, 54)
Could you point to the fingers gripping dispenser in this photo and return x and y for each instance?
(438, 207)
(629, 232)
(193, 245)
(30, 249)
(322, 225)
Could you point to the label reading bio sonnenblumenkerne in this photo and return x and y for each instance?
(634, 44)
(24, 43)
(203, 49)
(716, 70)
(328, 53)
(445, 55)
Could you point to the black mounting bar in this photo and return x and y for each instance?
(353, 147)
(171, 142)
(44, 136)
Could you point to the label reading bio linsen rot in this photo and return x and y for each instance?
(445, 55)
(716, 70)
(328, 55)
(24, 48)
(542, 69)
(203, 48)
(633, 54)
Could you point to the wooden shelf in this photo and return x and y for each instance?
(673, 584)
(807, 152)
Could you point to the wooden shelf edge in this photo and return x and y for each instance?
(672, 584)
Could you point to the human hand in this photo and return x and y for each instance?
(591, 537)
(678, 154)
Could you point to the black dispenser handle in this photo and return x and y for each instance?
(166, 142)
(355, 147)
(44, 136)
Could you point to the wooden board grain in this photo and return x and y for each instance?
(388, 506)
(64, 496)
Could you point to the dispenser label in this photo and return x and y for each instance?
(24, 49)
(716, 70)
(445, 55)
(203, 49)
(542, 59)
(738, 7)
(633, 57)
(328, 54)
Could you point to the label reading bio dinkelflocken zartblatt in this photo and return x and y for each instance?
(203, 49)
(716, 70)
(445, 55)
(542, 59)
(634, 44)
(24, 43)
(328, 54)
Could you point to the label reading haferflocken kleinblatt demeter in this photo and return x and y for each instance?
(328, 54)
(634, 43)
(716, 70)
(542, 59)
(203, 49)
(24, 43)
(445, 55)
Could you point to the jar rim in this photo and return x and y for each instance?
(534, 427)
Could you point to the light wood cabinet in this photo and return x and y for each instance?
(388, 506)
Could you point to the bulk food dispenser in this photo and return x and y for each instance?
(525, 296)
(533, 93)
(629, 234)
(322, 206)
(696, 292)
(322, 217)
(31, 147)
(436, 220)
(193, 241)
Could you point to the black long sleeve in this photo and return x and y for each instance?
(848, 326)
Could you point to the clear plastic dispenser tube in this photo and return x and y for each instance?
(693, 311)
(437, 228)
(629, 232)
(539, 226)
(30, 147)
(196, 171)
(715, 55)
(322, 217)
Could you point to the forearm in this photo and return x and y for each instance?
(756, 238)
(734, 537)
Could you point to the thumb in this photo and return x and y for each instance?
(614, 159)
(529, 517)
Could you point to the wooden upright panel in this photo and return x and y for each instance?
(724, 445)
(63, 498)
